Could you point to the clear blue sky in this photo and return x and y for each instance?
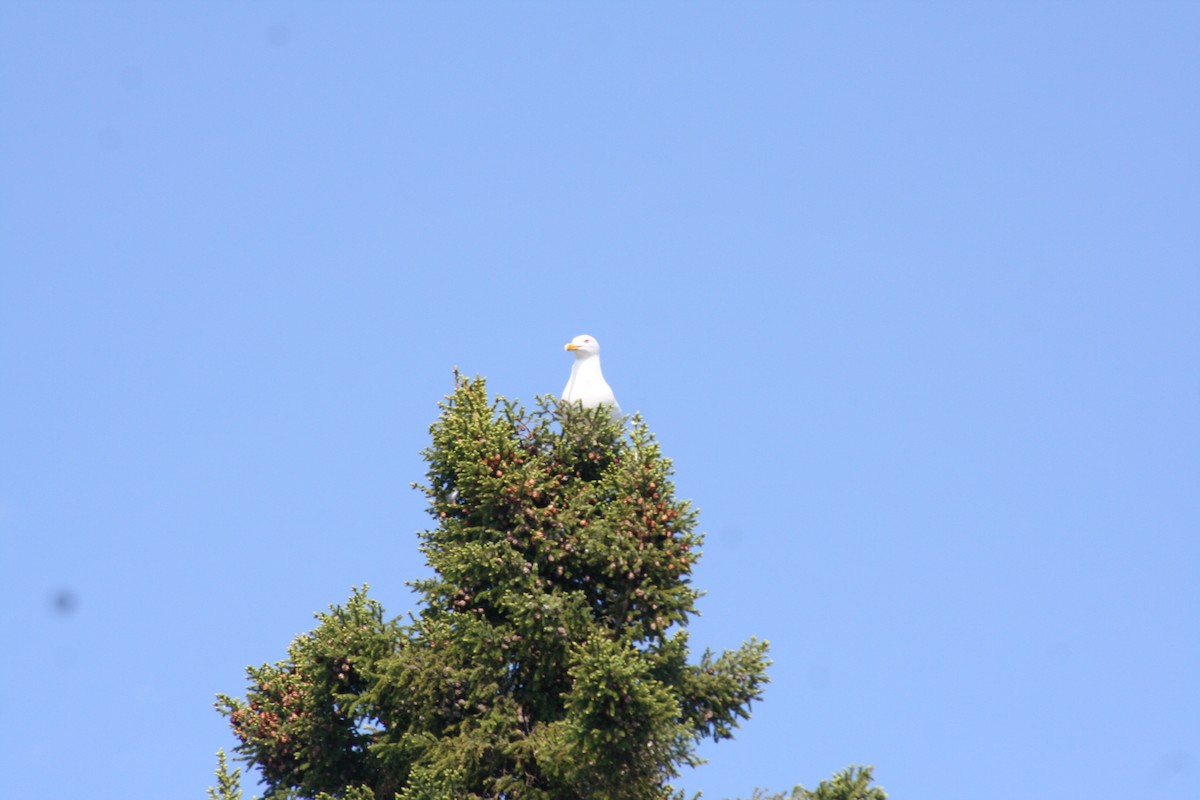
(909, 292)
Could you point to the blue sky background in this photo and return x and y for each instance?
(909, 292)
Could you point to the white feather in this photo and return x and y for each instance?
(587, 384)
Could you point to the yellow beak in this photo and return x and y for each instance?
(571, 346)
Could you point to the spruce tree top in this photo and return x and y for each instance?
(549, 658)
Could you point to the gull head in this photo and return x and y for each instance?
(583, 346)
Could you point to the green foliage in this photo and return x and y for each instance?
(549, 659)
(427, 784)
(228, 783)
(303, 722)
(351, 793)
(852, 783)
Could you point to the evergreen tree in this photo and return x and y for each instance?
(852, 783)
(549, 659)
(228, 783)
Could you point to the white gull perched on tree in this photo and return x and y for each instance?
(587, 384)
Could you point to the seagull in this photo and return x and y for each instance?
(587, 384)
